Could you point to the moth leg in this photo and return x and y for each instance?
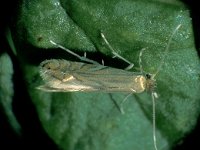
(83, 58)
(120, 106)
(124, 100)
(102, 62)
(140, 59)
(85, 54)
(116, 54)
(121, 110)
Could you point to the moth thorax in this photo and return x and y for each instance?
(141, 83)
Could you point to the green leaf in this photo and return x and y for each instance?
(7, 91)
(91, 120)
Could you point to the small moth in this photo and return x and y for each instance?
(65, 76)
(61, 75)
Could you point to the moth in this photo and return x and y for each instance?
(66, 76)
(62, 75)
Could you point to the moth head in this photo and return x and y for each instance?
(150, 82)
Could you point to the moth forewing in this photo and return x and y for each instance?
(66, 76)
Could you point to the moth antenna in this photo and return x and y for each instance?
(154, 95)
(116, 54)
(74, 54)
(166, 51)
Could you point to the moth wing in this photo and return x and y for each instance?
(47, 88)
